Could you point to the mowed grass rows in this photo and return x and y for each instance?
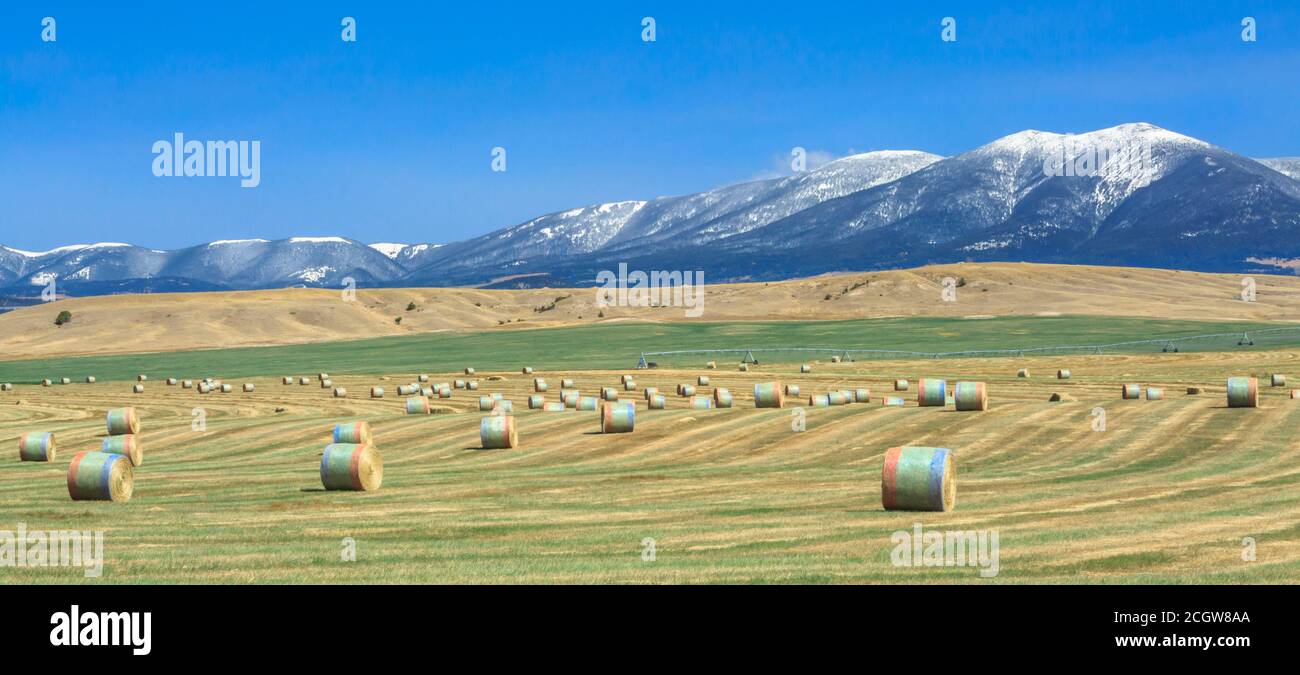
(1165, 494)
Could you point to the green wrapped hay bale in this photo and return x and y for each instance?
(1062, 374)
(656, 402)
(862, 395)
(537, 401)
(539, 385)
(893, 401)
(351, 466)
(566, 383)
(498, 431)
(588, 403)
(376, 392)
(931, 392)
(805, 368)
(791, 390)
(617, 418)
(356, 433)
(1278, 380)
(417, 405)
(1243, 392)
(99, 476)
(127, 445)
(721, 397)
(340, 392)
(700, 403)
(555, 407)
(36, 446)
(608, 394)
(819, 401)
(918, 479)
(971, 396)
(1130, 392)
(768, 395)
(900, 385)
(1155, 393)
(122, 421)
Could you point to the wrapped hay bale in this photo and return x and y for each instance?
(248, 387)
(896, 401)
(469, 371)
(711, 365)
(900, 385)
(139, 388)
(608, 394)
(65, 380)
(537, 401)
(1295, 393)
(127, 445)
(700, 403)
(304, 381)
(617, 418)
(721, 397)
(204, 387)
(971, 396)
(686, 390)
(1023, 372)
(539, 385)
(656, 402)
(587, 403)
(486, 403)
(444, 392)
(36, 446)
(376, 392)
(805, 368)
(326, 383)
(819, 401)
(629, 385)
(121, 421)
(99, 476)
(570, 398)
(931, 392)
(1155, 393)
(422, 377)
(472, 385)
(650, 391)
(417, 405)
(862, 395)
(744, 367)
(286, 380)
(226, 388)
(527, 370)
(768, 395)
(566, 383)
(460, 384)
(498, 431)
(90, 379)
(837, 398)
(1130, 391)
(6, 387)
(791, 390)
(835, 359)
(353, 432)
(187, 384)
(406, 389)
(1063, 374)
(623, 379)
(171, 381)
(322, 376)
(351, 466)
(555, 407)
(141, 378)
(340, 392)
(1278, 380)
(702, 380)
(1243, 392)
(918, 479)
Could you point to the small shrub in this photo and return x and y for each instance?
(63, 317)
(410, 306)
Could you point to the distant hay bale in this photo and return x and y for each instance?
(1060, 397)
(1278, 380)
(6, 387)
(1062, 374)
(248, 387)
(90, 379)
(407, 389)
(893, 401)
(498, 431)
(1155, 393)
(931, 392)
(322, 376)
(36, 446)
(1192, 391)
(352, 432)
(376, 392)
(127, 444)
(472, 385)
(900, 385)
(460, 384)
(805, 368)
(702, 380)
(526, 370)
(171, 381)
(286, 380)
(837, 398)
(918, 479)
(819, 401)
(791, 390)
(65, 380)
(1023, 372)
(444, 391)
(486, 403)
(700, 403)
(630, 385)
(187, 384)
(226, 388)
(469, 371)
(427, 392)
(617, 418)
(1295, 393)
(624, 378)
(566, 383)
(537, 401)
(351, 466)
(744, 367)
(649, 392)
(326, 383)
(45, 382)
(1130, 391)
(204, 388)
(608, 394)
(138, 389)
(768, 395)
(721, 397)
(711, 365)
(570, 397)
(120, 421)
(422, 377)
(99, 476)
(141, 378)
(555, 407)
(540, 385)
(862, 395)
(686, 390)
(835, 359)
(304, 381)
(340, 392)
(656, 402)
(417, 405)
(588, 403)
(1243, 392)
(971, 396)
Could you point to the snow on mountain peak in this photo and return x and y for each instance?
(317, 240)
(390, 250)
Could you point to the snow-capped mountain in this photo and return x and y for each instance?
(1135, 194)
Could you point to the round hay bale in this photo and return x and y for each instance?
(656, 402)
(417, 405)
(90, 379)
(931, 392)
(204, 388)
(617, 418)
(353, 432)
(893, 401)
(1059, 397)
(138, 388)
(819, 401)
(918, 479)
(472, 385)
(711, 365)
(340, 392)
(1278, 380)
(45, 382)
(686, 390)
(862, 395)
(1062, 374)
(226, 388)
(128, 445)
(99, 476)
(1130, 391)
(900, 385)
(744, 367)
(460, 384)
(768, 395)
(141, 378)
(971, 396)
(1193, 391)
(1023, 372)
(587, 403)
(469, 371)
(702, 380)
(6, 387)
(1295, 393)
(650, 392)
(406, 389)
(304, 381)
(835, 359)
(537, 401)
(422, 377)
(721, 397)
(322, 376)
(36, 446)
(624, 378)
(497, 396)
(248, 387)
(65, 380)
(486, 403)
(444, 391)
(630, 385)
(286, 380)
(351, 466)
(555, 407)
(805, 368)
(376, 392)
(539, 385)
(1243, 392)
(791, 390)
(570, 398)
(187, 384)
(700, 403)
(566, 383)
(171, 381)
(122, 421)
(326, 383)
(1155, 393)
(837, 398)
(498, 431)
(526, 370)
(608, 394)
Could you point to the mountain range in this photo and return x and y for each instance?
(1158, 199)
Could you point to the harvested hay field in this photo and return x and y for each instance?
(1165, 494)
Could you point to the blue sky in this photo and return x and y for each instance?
(390, 138)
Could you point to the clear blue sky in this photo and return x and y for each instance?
(389, 139)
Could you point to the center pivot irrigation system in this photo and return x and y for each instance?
(1170, 344)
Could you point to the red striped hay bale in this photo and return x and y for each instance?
(469, 371)
(99, 476)
(422, 377)
(90, 379)
(1063, 374)
(539, 385)
(1130, 392)
(351, 466)
(486, 403)
(862, 395)
(768, 395)
(1023, 372)
(744, 367)
(566, 383)
(630, 385)
(587, 403)
(537, 401)
(608, 394)
(127, 444)
(376, 392)
(711, 365)
(36, 446)
(819, 401)
(555, 407)
(248, 387)
(226, 388)
(686, 390)
(498, 431)
(894, 401)
(700, 403)
(931, 392)
(460, 384)
(141, 378)
(121, 421)
(1277, 380)
(918, 479)
(417, 405)
(721, 397)
(650, 391)
(973, 396)
(286, 380)
(1155, 393)
(526, 370)
(138, 388)
(900, 385)
(472, 385)
(352, 432)
(617, 418)
(702, 380)
(656, 402)
(1243, 392)
(791, 390)
(340, 392)
(805, 368)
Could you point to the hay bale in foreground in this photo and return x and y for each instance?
(768, 395)
(120, 421)
(286, 380)
(1129, 392)
(36, 446)
(1277, 380)
(931, 392)
(617, 418)
(700, 403)
(656, 402)
(127, 445)
(1155, 393)
(918, 479)
(587, 403)
(340, 392)
(352, 432)
(862, 395)
(721, 397)
(351, 466)
(971, 396)
(498, 431)
(537, 401)
(900, 385)
(1243, 392)
(417, 405)
(99, 476)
